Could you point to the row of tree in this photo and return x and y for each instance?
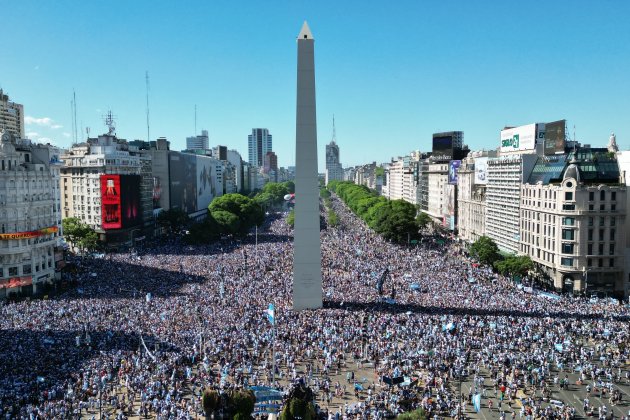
(486, 251)
(395, 220)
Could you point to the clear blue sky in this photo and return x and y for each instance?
(392, 72)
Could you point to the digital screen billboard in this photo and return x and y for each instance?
(130, 200)
(518, 138)
(481, 171)
(157, 192)
(453, 168)
(110, 202)
(16, 282)
(555, 137)
(183, 181)
(443, 147)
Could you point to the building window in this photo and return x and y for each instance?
(612, 234)
(567, 248)
(600, 262)
(591, 207)
(568, 195)
(591, 196)
(601, 249)
(568, 234)
(568, 221)
(613, 207)
(590, 221)
(601, 234)
(568, 262)
(611, 251)
(611, 262)
(602, 195)
(568, 207)
(602, 221)
(612, 221)
(613, 196)
(589, 249)
(13, 271)
(26, 269)
(602, 207)
(589, 262)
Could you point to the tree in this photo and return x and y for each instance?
(228, 223)
(79, 234)
(485, 250)
(242, 403)
(248, 212)
(290, 186)
(276, 191)
(291, 218)
(299, 405)
(204, 232)
(333, 219)
(173, 220)
(210, 402)
(514, 265)
(418, 414)
(423, 220)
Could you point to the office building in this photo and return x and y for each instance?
(198, 142)
(258, 144)
(573, 212)
(11, 116)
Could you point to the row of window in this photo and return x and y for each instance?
(568, 262)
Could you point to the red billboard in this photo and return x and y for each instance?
(16, 282)
(110, 202)
(29, 234)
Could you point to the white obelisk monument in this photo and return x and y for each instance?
(307, 264)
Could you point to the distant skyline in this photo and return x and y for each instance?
(391, 73)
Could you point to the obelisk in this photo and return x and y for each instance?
(307, 264)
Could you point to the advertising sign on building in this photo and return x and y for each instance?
(183, 181)
(110, 202)
(206, 181)
(449, 206)
(16, 282)
(442, 148)
(130, 200)
(453, 168)
(29, 234)
(555, 137)
(518, 138)
(481, 171)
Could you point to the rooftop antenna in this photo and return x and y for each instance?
(110, 123)
(74, 98)
(74, 140)
(334, 136)
(147, 83)
(87, 132)
(195, 119)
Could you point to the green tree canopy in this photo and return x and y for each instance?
(514, 265)
(291, 218)
(277, 191)
(247, 211)
(290, 186)
(80, 234)
(485, 250)
(423, 220)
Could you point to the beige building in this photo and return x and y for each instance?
(11, 116)
(471, 195)
(572, 222)
(437, 178)
(29, 219)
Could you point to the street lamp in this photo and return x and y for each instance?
(585, 274)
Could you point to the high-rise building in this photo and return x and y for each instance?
(11, 116)
(258, 144)
(334, 170)
(198, 142)
(307, 266)
(29, 217)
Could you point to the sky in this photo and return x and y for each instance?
(391, 72)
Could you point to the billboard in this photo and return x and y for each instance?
(157, 192)
(111, 217)
(16, 282)
(443, 147)
(130, 200)
(555, 137)
(453, 168)
(206, 181)
(448, 209)
(481, 171)
(518, 138)
(29, 234)
(183, 181)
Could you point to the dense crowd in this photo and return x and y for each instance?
(144, 333)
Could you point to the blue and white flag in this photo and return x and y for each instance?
(271, 314)
(476, 400)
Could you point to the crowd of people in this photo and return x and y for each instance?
(144, 333)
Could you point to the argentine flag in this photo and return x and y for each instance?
(271, 314)
(476, 400)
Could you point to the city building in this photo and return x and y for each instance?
(334, 170)
(107, 184)
(258, 144)
(198, 142)
(572, 224)
(503, 198)
(270, 166)
(11, 116)
(472, 180)
(29, 215)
